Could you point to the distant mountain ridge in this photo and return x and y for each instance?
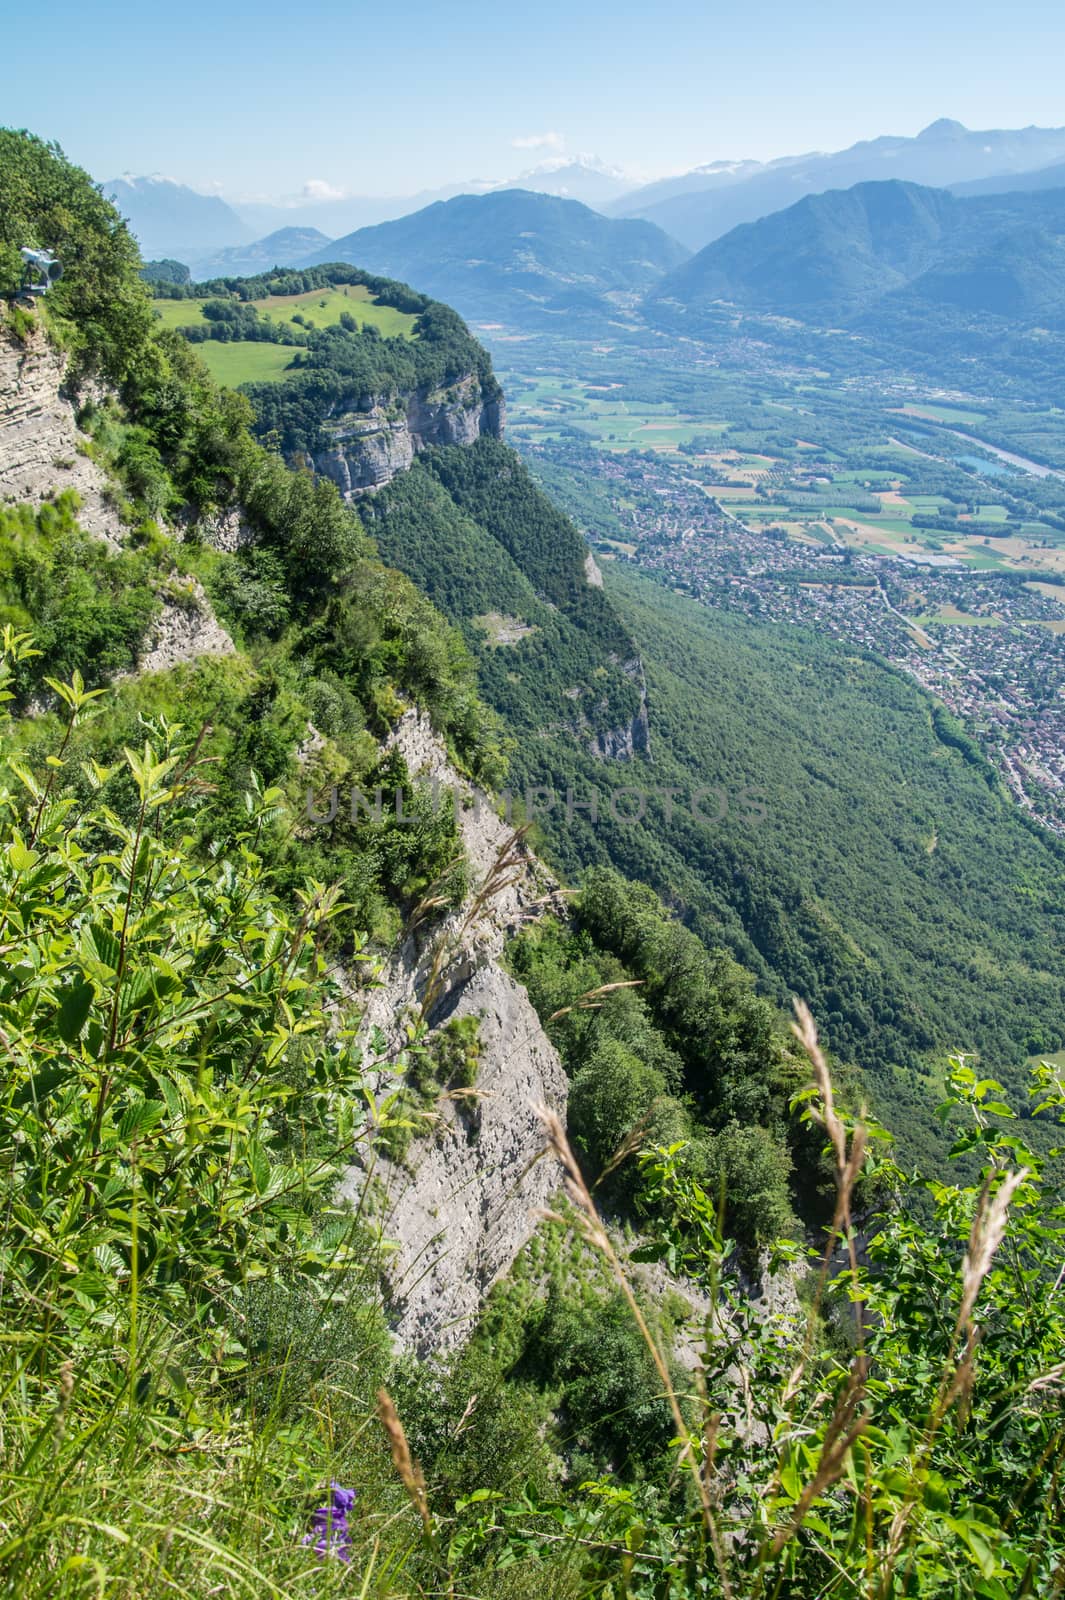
(515, 256)
(282, 248)
(169, 219)
(708, 203)
(1052, 177)
(694, 207)
(831, 257)
(579, 177)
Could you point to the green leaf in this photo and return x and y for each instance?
(140, 1117)
(21, 857)
(259, 1166)
(73, 1011)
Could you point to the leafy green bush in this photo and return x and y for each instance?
(89, 607)
(99, 308)
(145, 994)
(919, 1455)
(180, 1090)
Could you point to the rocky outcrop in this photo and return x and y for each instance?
(183, 631)
(42, 450)
(478, 1183)
(632, 738)
(622, 744)
(466, 1198)
(228, 531)
(370, 447)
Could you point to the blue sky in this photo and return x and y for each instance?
(262, 100)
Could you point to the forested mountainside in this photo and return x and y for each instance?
(846, 865)
(968, 288)
(840, 252)
(418, 417)
(516, 255)
(253, 1019)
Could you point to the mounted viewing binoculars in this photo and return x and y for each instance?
(41, 271)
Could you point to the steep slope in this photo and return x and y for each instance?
(821, 779)
(822, 256)
(42, 449)
(352, 405)
(515, 256)
(471, 528)
(1018, 276)
(705, 205)
(411, 427)
(464, 1200)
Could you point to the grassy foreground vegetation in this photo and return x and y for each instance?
(196, 1341)
(197, 1392)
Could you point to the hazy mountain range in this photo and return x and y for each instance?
(706, 204)
(696, 207)
(832, 256)
(287, 247)
(171, 219)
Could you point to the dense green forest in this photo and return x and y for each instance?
(473, 530)
(844, 849)
(882, 876)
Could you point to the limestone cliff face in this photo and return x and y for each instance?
(43, 452)
(469, 1197)
(183, 631)
(41, 446)
(622, 744)
(370, 447)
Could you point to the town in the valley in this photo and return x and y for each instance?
(989, 645)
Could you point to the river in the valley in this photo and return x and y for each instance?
(1036, 468)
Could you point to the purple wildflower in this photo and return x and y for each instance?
(330, 1534)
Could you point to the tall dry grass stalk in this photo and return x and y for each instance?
(507, 868)
(850, 1155)
(408, 1470)
(846, 1423)
(593, 1232)
(985, 1237)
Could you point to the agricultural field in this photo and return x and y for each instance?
(821, 467)
(319, 308)
(245, 361)
(322, 308)
(937, 413)
(240, 361)
(546, 408)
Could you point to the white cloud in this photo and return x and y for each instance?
(318, 189)
(539, 141)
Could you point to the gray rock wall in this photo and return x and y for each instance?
(370, 447)
(468, 1195)
(40, 443)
